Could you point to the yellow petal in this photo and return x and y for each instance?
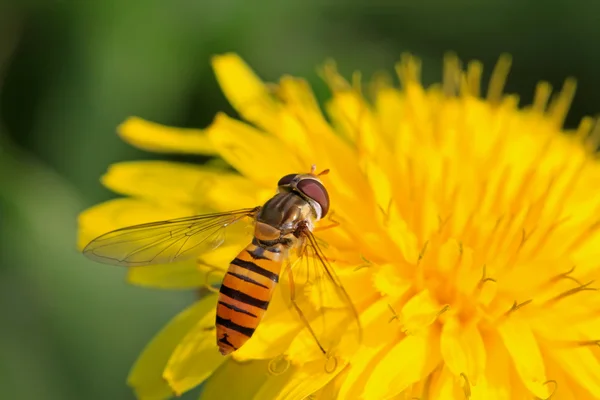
(255, 155)
(420, 312)
(406, 363)
(146, 375)
(248, 378)
(119, 213)
(274, 333)
(583, 367)
(331, 390)
(390, 109)
(402, 236)
(296, 383)
(196, 356)
(388, 281)
(199, 188)
(563, 387)
(525, 353)
(447, 386)
(247, 94)
(362, 366)
(158, 138)
(380, 323)
(484, 390)
(497, 371)
(462, 349)
(180, 275)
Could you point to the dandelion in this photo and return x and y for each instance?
(467, 235)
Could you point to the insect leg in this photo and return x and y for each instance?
(299, 311)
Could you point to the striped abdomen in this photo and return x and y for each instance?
(245, 294)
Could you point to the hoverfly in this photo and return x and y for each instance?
(283, 239)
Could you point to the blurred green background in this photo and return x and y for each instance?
(72, 70)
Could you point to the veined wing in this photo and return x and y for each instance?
(164, 242)
(314, 291)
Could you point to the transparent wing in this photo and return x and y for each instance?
(318, 297)
(164, 242)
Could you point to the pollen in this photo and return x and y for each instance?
(464, 227)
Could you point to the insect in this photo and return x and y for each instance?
(283, 241)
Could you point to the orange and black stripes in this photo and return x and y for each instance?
(245, 294)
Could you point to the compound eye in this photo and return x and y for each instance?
(286, 180)
(315, 190)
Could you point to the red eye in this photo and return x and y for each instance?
(286, 180)
(315, 191)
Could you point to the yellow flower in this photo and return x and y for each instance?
(469, 236)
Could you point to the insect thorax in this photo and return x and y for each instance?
(281, 215)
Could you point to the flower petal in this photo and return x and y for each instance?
(252, 153)
(119, 213)
(158, 138)
(446, 385)
(196, 356)
(411, 360)
(248, 378)
(525, 353)
(583, 367)
(180, 275)
(420, 312)
(297, 383)
(362, 366)
(388, 281)
(185, 184)
(463, 350)
(497, 371)
(146, 375)
(274, 333)
(247, 94)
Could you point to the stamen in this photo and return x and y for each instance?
(367, 264)
(324, 172)
(206, 284)
(542, 94)
(554, 391)
(452, 72)
(395, 315)
(593, 140)
(584, 128)
(422, 252)
(560, 106)
(566, 275)
(331, 367)
(467, 386)
(460, 255)
(589, 343)
(516, 306)
(331, 77)
(524, 238)
(278, 365)
(442, 222)
(474, 72)
(357, 82)
(408, 69)
(498, 79)
(570, 292)
(484, 278)
(443, 310)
